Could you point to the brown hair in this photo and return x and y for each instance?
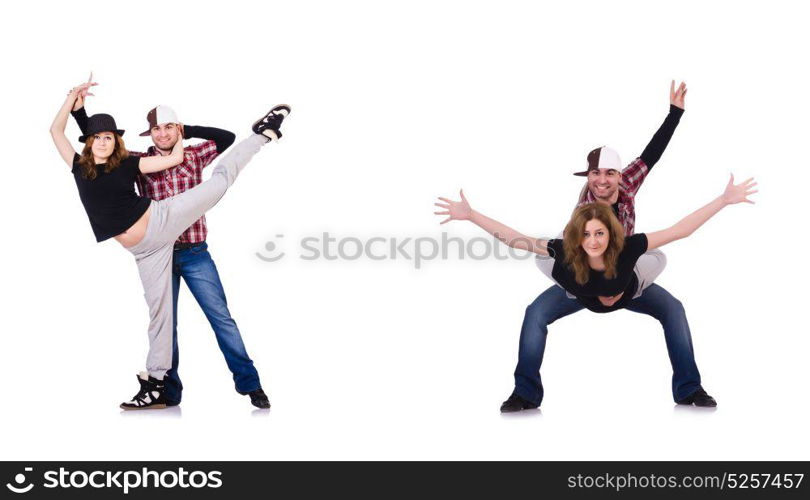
(575, 256)
(87, 162)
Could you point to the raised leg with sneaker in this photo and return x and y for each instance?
(270, 124)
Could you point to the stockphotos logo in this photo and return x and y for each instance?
(122, 480)
(20, 480)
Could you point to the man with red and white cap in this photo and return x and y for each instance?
(608, 183)
(192, 262)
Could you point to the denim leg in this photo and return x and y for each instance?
(661, 305)
(174, 387)
(550, 306)
(200, 274)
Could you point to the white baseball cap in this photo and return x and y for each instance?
(158, 116)
(603, 157)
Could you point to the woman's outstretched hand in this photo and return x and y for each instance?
(456, 210)
(740, 192)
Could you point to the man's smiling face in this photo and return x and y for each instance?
(603, 183)
(165, 135)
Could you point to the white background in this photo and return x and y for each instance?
(395, 103)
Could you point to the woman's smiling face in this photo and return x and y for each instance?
(595, 239)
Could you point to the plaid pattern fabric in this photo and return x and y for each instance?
(173, 181)
(633, 176)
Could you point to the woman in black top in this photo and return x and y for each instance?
(594, 261)
(105, 174)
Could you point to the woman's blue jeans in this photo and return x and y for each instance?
(553, 304)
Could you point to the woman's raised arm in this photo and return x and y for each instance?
(61, 141)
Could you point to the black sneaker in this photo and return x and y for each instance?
(269, 125)
(699, 398)
(150, 397)
(516, 403)
(259, 399)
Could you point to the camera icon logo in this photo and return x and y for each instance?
(19, 479)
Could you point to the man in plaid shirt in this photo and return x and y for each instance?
(607, 185)
(192, 262)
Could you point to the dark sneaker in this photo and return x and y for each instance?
(699, 398)
(270, 124)
(259, 399)
(149, 397)
(516, 403)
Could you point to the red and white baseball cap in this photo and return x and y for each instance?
(158, 116)
(603, 157)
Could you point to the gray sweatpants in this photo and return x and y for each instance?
(647, 269)
(169, 218)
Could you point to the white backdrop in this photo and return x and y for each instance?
(395, 103)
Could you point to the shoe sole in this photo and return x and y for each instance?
(278, 106)
(519, 409)
(683, 403)
(273, 137)
(511, 411)
(152, 407)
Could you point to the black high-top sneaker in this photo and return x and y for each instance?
(269, 125)
(150, 397)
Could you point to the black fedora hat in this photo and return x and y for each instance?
(100, 123)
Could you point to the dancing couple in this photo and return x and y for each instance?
(601, 264)
(163, 225)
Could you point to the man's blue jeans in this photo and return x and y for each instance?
(198, 270)
(553, 304)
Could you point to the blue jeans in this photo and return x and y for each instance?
(198, 270)
(553, 304)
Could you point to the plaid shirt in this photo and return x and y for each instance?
(173, 181)
(633, 176)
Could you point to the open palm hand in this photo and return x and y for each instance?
(455, 210)
(740, 192)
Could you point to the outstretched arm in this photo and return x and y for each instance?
(461, 210)
(150, 164)
(733, 194)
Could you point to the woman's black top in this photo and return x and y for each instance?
(110, 199)
(597, 285)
